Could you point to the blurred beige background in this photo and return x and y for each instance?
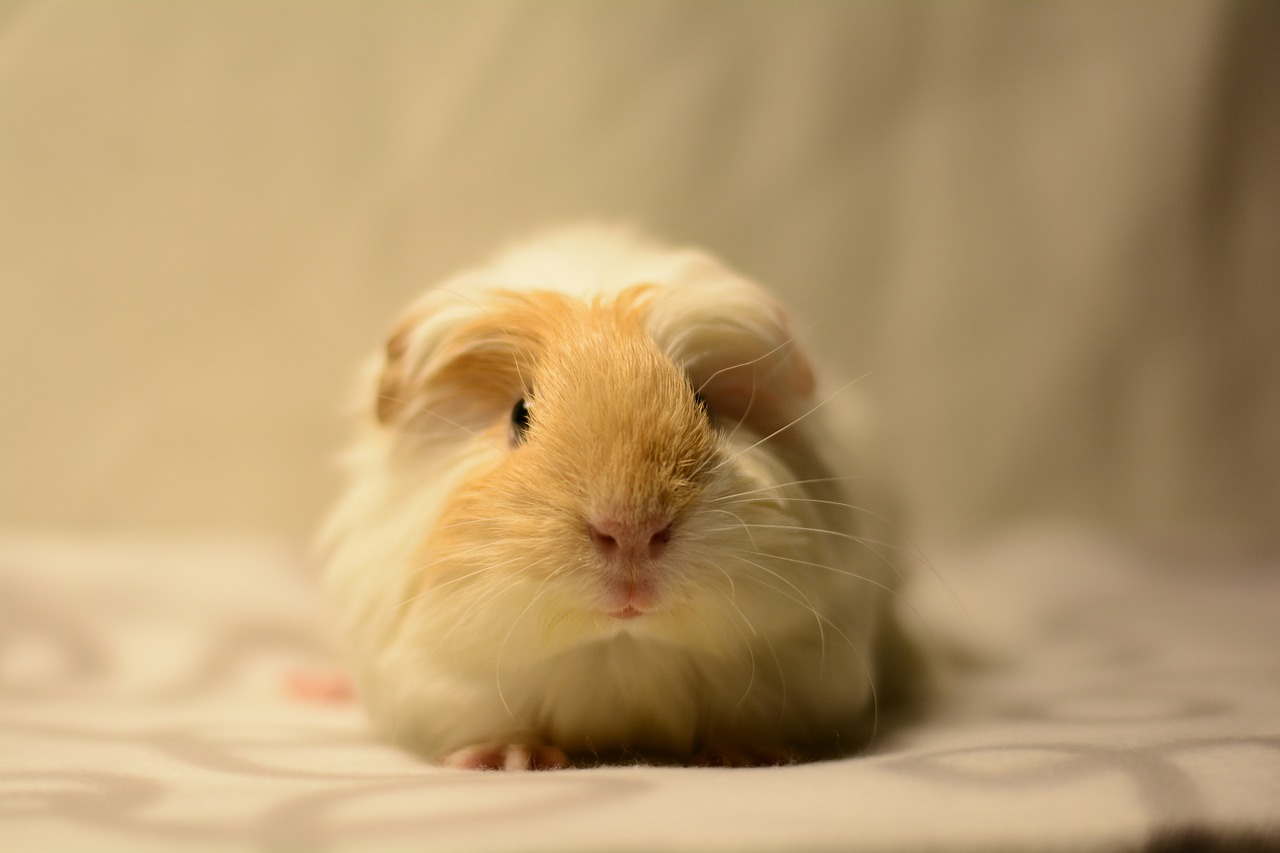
(1051, 231)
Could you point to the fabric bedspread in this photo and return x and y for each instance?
(1121, 698)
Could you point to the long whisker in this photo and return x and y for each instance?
(797, 499)
(894, 593)
(733, 589)
(861, 540)
(849, 574)
(751, 401)
(745, 642)
(788, 342)
(782, 681)
(797, 420)
(912, 546)
(779, 486)
(400, 608)
(538, 593)
(743, 524)
(862, 661)
(478, 597)
(804, 599)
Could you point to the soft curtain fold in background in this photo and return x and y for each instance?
(1048, 232)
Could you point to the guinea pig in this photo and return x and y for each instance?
(598, 509)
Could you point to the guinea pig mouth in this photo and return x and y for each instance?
(628, 598)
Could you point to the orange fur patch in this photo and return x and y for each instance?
(615, 429)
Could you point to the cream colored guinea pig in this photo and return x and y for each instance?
(598, 509)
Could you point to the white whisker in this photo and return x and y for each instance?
(853, 647)
(804, 599)
(497, 664)
(861, 540)
(797, 420)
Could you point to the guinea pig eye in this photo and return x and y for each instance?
(519, 421)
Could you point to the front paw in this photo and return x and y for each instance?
(512, 756)
(318, 686)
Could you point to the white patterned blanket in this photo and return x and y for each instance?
(1130, 700)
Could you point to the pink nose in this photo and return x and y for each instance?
(630, 540)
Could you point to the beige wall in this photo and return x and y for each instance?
(1050, 230)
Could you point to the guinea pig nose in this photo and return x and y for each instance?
(616, 538)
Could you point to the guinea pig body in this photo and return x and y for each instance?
(596, 509)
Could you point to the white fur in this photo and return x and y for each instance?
(774, 644)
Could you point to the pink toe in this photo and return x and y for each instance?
(516, 756)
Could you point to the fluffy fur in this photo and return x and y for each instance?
(731, 606)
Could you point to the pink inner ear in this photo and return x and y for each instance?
(766, 394)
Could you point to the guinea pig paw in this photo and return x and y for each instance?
(725, 755)
(511, 756)
(318, 686)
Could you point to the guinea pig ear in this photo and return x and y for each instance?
(736, 345)
(390, 398)
(762, 380)
(460, 360)
(417, 337)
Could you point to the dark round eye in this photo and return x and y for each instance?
(519, 421)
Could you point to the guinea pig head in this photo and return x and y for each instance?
(596, 433)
